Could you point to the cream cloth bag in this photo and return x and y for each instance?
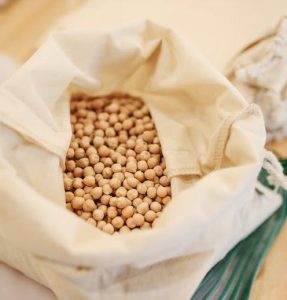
(260, 73)
(213, 142)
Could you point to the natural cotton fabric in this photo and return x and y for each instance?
(212, 139)
(260, 73)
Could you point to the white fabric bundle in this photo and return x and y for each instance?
(213, 142)
(260, 73)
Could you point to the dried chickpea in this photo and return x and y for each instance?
(98, 214)
(154, 148)
(152, 162)
(104, 151)
(88, 171)
(130, 144)
(110, 132)
(122, 160)
(150, 216)
(113, 107)
(78, 172)
(122, 202)
(113, 119)
(128, 212)
(130, 223)
(107, 173)
(140, 148)
(98, 141)
(70, 175)
(161, 191)
(70, 153)
(132, 194)
(99, 167)
(108, 228)
(92, 221)
(102, 182)
(116, 168)
(113, 201)
(83, 162)
(149, 174)
(128, 174)
(89, 180)
(142, 165)
(103, 208)
(118, 126)
(121, 192)
(112, 212)
(77, 202)
(79, 153)
(165, 200)
(147, 200)
(142, 208)
(85, 215)
(69, 207)
(117, 222)
(120, 176)
(155, 206)
(133, 182)
(99, 132)
(123, 139)
(74, 145)
(142, 188)
(79, 212)
(148, 136)
(97, 193)
(87, 190)
(93, 158)
(107, 161)
(131, 167)
(164, 181)
(151, 192)
(112, 142)
(158, 170)
(138, 219)
(103, 116)
(101, 224)
(126, 185)
(115, 183)
(124, 229)
(127, 124)
(69, 196)
(85, 142)
(77, 183)
(137, 202)
(144, 155)
(139, 175)
(122, 150)
(105, 199)
(115, 176)
(145, 225)
(68, 184)
(102, 125)
(107, 189)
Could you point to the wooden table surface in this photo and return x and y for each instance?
(23, 22)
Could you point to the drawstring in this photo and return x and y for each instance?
(275, 170)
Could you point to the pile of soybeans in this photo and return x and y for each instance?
(115, 176)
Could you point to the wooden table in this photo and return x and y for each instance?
(23, 22)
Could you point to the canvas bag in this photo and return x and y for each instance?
(260, 73)
(213, 142)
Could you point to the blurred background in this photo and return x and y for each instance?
(219, 29)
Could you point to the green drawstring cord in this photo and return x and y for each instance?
(233, 276)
